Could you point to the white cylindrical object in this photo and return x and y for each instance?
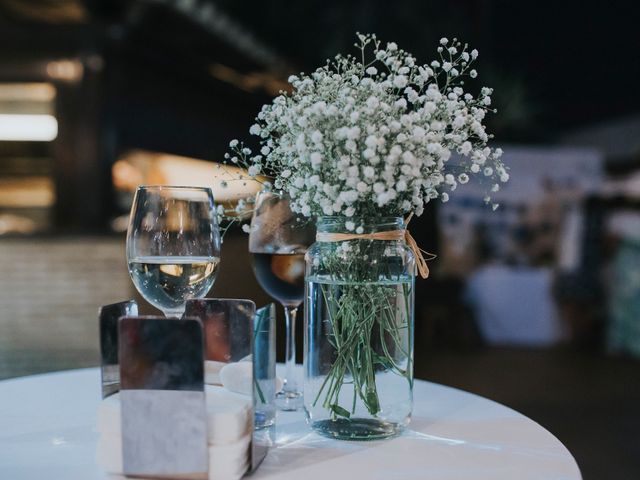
(238, 377)
(212, 372)
(228, 415)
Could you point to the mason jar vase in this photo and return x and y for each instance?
(359, 324)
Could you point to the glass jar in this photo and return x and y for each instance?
(358, 345)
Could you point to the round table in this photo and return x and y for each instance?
(47, 431)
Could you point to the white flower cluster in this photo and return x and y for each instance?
(373, 137)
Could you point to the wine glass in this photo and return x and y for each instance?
(173, 245)
(278, 240)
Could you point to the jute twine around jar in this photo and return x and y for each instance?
(402, 234)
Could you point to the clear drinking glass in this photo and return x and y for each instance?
(278, 241)
(173, 245)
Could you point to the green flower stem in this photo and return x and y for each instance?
(352, 318)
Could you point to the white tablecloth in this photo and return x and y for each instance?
(47, 432)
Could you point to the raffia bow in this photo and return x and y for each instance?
(418, 253)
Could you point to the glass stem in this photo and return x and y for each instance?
(290, 349)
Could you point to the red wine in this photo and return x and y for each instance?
(281, 276)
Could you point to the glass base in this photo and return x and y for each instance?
(289, 401)
(357, 428)
(264, 420)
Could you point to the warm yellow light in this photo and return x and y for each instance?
(28, 127)
(30, 192)
(229, 183)
(65, 70)
(27, 92)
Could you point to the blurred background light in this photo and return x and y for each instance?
(65, 70)
(28, 127)
(13, 93)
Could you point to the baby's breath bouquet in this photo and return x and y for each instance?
(373, 134)
(360, 144)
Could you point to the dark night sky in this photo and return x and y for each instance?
(556, 65)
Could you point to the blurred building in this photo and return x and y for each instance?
(82, 83)
(97, 97)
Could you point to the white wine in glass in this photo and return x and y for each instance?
(173, 245)
(167, 281)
